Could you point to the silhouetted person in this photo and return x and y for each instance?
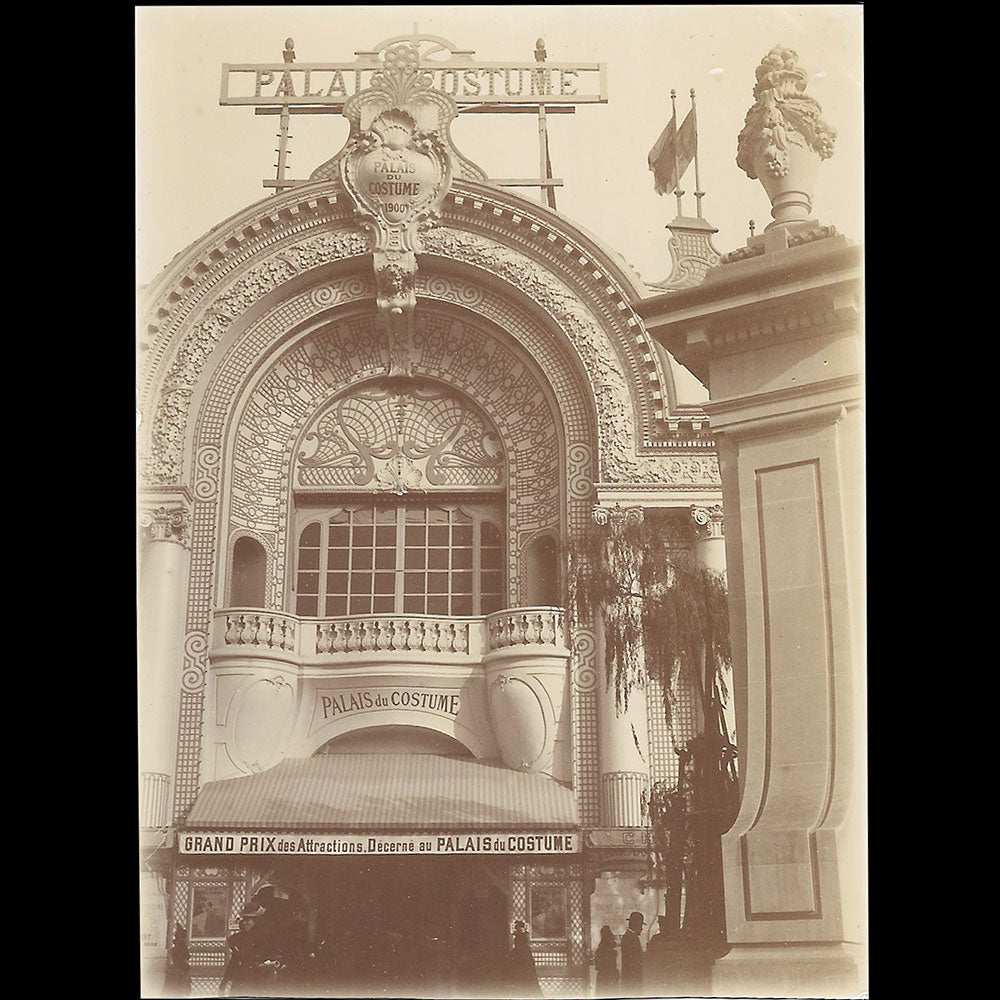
(632, 975)
(242, 974)
(656, 953)
(606, 964)
(523, 976)
(177, 982)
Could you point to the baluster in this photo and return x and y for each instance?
(233, 629)
(526, 630)
(400, 634)
(349, 637)
(450, 637)
(548, 632)
(338, 641)
(324, 638)
(387, 635)
(266, 633)
(367, 637)
(288, 634)
(249, 630)
(462, 637)
(434, 645)
(418, 635)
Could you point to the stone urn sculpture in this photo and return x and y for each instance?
(784, 139)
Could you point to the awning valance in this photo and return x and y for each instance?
(383, 792)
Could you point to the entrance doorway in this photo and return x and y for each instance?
(403, 926)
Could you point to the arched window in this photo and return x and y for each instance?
(403, 558)
(249, 573)
(541, 561)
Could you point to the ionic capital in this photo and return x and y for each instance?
(708, 521)
(617, 515)
(165, 524)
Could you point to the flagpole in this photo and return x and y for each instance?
(698, 193)
(677, 166)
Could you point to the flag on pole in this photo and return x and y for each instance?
(672, 153)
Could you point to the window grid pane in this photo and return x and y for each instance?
(408, 559)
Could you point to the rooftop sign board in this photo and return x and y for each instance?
(465, 80)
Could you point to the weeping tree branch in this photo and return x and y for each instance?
(668, 619)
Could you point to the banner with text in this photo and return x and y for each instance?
(342, 844)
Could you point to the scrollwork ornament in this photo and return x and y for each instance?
(584, 656)
(195, 653)
(206, 483)
(708, 520)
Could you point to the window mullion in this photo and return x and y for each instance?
(324, 562)
(400, 555)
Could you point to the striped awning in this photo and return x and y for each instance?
(376, 792)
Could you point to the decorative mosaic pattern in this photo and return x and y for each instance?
(205, 986)
(664, 738)
(188, 752)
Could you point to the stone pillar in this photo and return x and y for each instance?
(623, 746)
(623, 742)
(710, 538)
(775, 333)
(710, 552)
(163, 568)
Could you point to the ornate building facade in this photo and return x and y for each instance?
(377, 406)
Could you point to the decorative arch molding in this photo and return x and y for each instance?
(199, 305)
(297, 261)
(509, 382)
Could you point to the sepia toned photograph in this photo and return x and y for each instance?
(500, 501)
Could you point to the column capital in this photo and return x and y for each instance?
(709, 522)
(617, 515)
(165, 523)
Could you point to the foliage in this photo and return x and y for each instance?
(668, 618)
(674, 611)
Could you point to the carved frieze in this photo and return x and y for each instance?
(164, 456)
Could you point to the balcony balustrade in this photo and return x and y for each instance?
(276, 635)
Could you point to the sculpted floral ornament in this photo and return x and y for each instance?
(162, 457)
(378, 437)
(782, 117)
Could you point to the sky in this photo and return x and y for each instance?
(198, 163)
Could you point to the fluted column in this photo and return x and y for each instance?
(163, 568)
(624, 736)
(710, 552)
(710, 539)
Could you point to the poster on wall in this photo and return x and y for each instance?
(616, 895)
(547, 909)
(209, 912)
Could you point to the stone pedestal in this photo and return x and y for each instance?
(777, 338)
